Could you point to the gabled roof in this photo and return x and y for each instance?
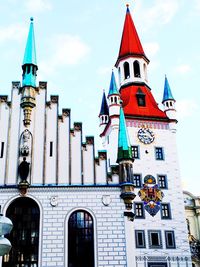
(129, 95)
(167, 95)
(30, 51)
(124, 147)
(104, 106)
(130, 42)
(113, 86)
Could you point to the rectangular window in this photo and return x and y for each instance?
(51, 149)
(162, 181)
(140, 239)
(159, 153)
(154, 239)
(135, 152)
(139, 210)
(170, 239)
(157, 264)
(2, 150)
(137, 180)
(165, 211)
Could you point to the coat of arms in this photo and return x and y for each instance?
(151, 195)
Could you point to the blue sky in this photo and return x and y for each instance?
(77, 45)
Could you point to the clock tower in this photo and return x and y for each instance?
(159, 238)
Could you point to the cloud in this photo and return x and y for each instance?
(183, 69)
(186, 108)
(65, 50)
(9, 33)
(151, 48)
(38, 5)
(162, 12)
(104, 70)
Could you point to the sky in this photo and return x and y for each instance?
(77, 46)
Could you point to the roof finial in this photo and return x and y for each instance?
(31, 19)
(127, 5)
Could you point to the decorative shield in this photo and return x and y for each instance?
(151, 195)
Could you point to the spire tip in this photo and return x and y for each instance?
(31, 19)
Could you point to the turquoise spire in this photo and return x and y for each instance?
(124, 147)
(104, 106)
(30, 63)
(113, 86)
(167, 95)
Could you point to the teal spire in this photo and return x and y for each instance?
(30, 63)
(167, 95)
(104, 106)
(113, 86)
(124, 147)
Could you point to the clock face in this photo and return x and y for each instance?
(146, 136)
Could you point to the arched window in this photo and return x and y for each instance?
(126, 70)
(80, 239)
(115, 100)
(25, 215)
(136, 67)
(119, 73)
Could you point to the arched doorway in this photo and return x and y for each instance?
(25, 216)
(80, 239)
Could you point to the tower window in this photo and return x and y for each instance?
(136, 67)
(140, 98)
(155, 239)
(25, 215)
(165, 211)
(140, 239)
(137, 180)
(159, 153)
(126, 70)
(51, 148)
(135, 152)
(139, 210)
(80, 239)
(115, 100)
(170, 239)
(2, 150)
(162, 181)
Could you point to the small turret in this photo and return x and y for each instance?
(169, 101)
(29, 68)
(114, 99)
(104, 113)
(125, 160)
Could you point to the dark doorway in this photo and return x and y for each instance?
(80, 240)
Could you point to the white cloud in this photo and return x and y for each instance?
(37, 5)
(104, 70)
(186, 108)
(162, 12)
(65, 50)
(151, 48)
(183, 68)
(14, 32)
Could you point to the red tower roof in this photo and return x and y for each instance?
(130, 42)
(138, 102)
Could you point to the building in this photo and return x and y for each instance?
(192, 211)
(71, 209)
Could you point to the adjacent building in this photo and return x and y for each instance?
(70, 208)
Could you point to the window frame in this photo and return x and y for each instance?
(165, 181)
(141, 204)
(151, 246)
(143, 239)
(163, 217)
(173, 239)
(139, 176)
(135, 149)
(157, 157)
